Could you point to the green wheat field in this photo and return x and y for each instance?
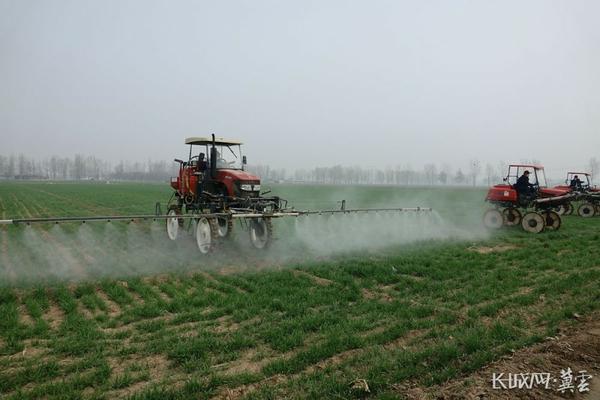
(104, 311)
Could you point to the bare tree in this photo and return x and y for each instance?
(489, 171)
(474, 170)
(443, 177)
(22, 165)
(459, 178)
(10, 168)
(430, 173)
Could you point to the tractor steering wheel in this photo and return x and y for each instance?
(193, 161)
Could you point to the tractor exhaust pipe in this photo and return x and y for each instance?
(213, 159)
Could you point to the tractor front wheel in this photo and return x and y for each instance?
(533, 222)
(586, 210)
(493, 219)
(225, 227)
(261, 232)
(173, 223)
(552, 219)
(206, 234)
(511, 216)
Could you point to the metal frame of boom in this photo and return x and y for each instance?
(231, 214)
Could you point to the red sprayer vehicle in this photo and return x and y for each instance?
(535, 210)
(211, 191)
(588, 195)
(213, 181)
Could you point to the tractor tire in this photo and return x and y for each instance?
(586, 210)
(224, 227)
(570, 209)
(261, 232)
(552, 219)
(562, 209)
(173, 224)
(511, 216)
(206, 234)
(492, 219)
(533, 222)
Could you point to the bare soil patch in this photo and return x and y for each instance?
(54, 316)
(241, 391)
(379, 295)
(316, 279)
(225, 324)
(112, 308)
(157, 366)
(247, 363)
(23, 312)
(494, 249)
(576, 347)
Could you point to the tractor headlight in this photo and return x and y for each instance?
(246, 187)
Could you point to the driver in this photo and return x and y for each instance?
(576, 183)
(201, 163)
(523, 187)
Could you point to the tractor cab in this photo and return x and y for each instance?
(537, 177)
(506, 195)
(584, 184)
(215, 168)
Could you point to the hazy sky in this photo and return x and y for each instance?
(304, 83)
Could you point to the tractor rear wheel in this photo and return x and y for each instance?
(586, 210)
(206, 234)
(225, 227)
(570, 209)
(533, 222)
(552, 219)
(562, 209)
(511, 216)
(261, 232)
(492, 219)
(173, 223)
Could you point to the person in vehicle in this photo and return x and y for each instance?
(523, 187)
(201, 163)
(576, 183)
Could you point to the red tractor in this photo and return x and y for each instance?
(580, 183)
(538, 206)
(213, 181)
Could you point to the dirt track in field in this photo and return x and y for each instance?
(575, 347)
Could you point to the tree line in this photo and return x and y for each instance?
(80, 167)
